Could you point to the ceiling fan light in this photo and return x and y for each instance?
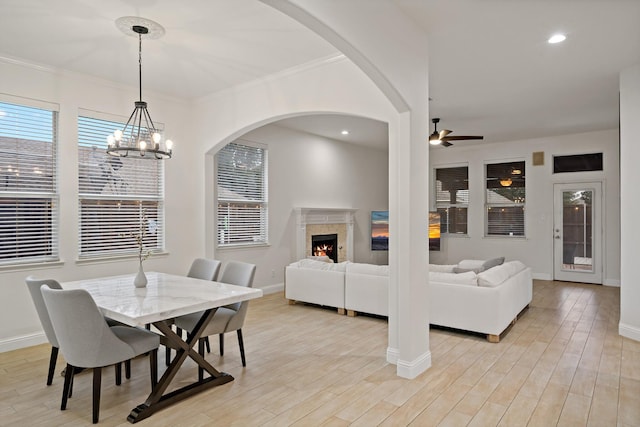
(435, 141)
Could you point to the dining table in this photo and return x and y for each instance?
(165, 297)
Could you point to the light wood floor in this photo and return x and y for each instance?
(563, 363)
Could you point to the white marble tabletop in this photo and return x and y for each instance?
(166, 296)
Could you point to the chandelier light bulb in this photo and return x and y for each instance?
(117, 135)
(157, 137)
(111, 140)
(143, 145)
(169, 144)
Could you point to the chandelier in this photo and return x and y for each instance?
(139, 137)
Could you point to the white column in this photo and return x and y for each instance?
(629, 325)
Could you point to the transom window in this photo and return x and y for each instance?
(117, 195)
(28, 183)
(452, 198)
(241, 187)
(505, 199)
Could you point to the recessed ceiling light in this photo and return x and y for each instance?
(345, 132)
(557, 38)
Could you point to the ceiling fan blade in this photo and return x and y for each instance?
(461, 137)
(446, 143)
(444, 132)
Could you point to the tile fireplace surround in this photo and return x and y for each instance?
(312, 221)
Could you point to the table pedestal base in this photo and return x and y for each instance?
(157, 400)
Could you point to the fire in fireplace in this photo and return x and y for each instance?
(325, 245)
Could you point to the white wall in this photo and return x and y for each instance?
(310, 171)
(536, 250)
(20, 325)
(630, 203)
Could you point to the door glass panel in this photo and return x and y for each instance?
(577, 233)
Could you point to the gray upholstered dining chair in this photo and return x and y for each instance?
(228, 318)
(201, 268)
(34, 285)
(86, 341)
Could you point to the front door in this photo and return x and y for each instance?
(577, 232)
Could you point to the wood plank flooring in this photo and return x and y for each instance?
(563, 363)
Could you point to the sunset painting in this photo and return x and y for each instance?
(379, 230)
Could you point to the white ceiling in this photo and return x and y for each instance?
(491, 71)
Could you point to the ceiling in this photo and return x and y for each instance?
(491, 71)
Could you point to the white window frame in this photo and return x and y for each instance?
(250, 207)
(116, 196)
(519, 203)
(441, 205)
(28, 178)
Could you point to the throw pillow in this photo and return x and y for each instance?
(493, 262)
(471, 263)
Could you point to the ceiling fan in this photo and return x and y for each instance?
(442, 137)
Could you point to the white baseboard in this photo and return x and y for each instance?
(24, 341)
(413, 368)
(542, 276)
(272, 289)
(612, 282)
(628, 331)
(393, 354)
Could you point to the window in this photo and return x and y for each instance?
(452, 199)
(505, 199)
(28, 184)
(577, 163)
(116, 194)
(241, 185)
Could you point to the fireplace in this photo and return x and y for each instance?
(337, 223)
(325, 245)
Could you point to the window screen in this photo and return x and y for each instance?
(28, 184)
(505, 199)
(116, 195)
(241, 185)
(452, 199)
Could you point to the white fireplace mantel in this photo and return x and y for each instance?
(306, 216)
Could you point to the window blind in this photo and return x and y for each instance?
(505, 199)
(452, 198)
(241, 185)
(28, 184)
(118, 195)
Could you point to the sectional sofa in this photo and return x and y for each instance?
(477, 296)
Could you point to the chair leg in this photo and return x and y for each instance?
(118, 373)
(221, 339)
(206, 341)
(97, 379)
(167, 356)
(241, 343)
(201, 353)
(52, 364)
(66, 389)
(153, 367)
(127, 369)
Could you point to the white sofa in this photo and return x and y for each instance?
(486, 302)
(366, 289)
(315, 282)
(473, 299)
(349, 286)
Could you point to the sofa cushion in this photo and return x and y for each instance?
(442, 268)
(370, 269)
(469, 278)
(497, 275)
(458, 270)
(321, 265)
(322, 258)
